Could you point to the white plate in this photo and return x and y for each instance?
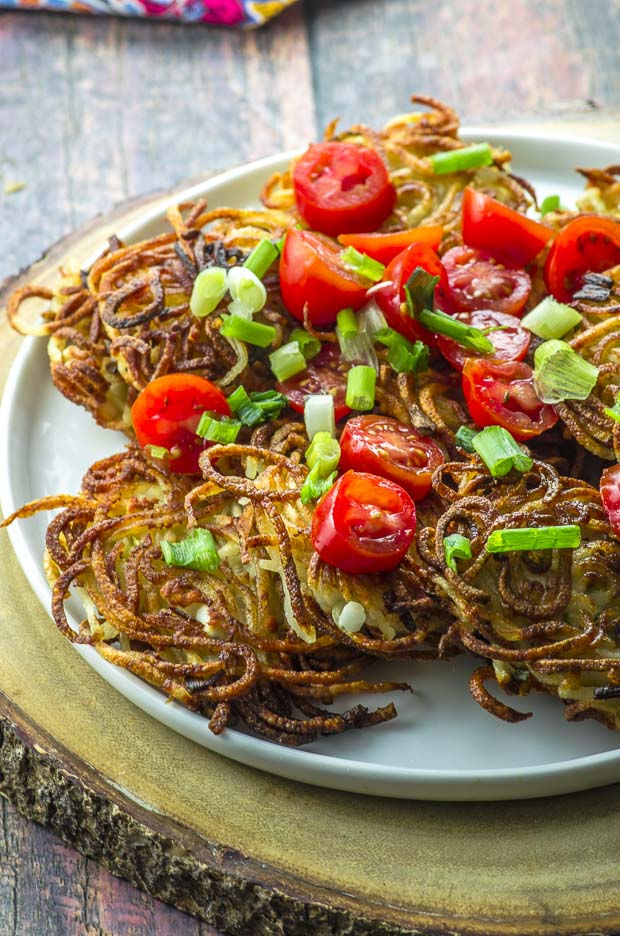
(442, 746)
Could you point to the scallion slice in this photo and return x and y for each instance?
(196, 551)
(406, 357)
(256, 408)
(315, 486)
(534, 538)
(465, 437)
(371, 319)
(210, 287)
(362, 264)
(361, 387)
(248, 292)
(351, 617)
(456, 547)
(458, 160)
(550, 203)
(264, 254)
(158, 451)
(612, 411)
(287, 361)
(499, 451)
(323, 451)
(220, 429)
(420, 291)
(357, 348)
(319, 414)
(346, 323)
(244, 329)
(308, 345)
(561, 374)
(551, 319)
(465, 335)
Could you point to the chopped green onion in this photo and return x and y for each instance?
(244, 329)
(362, 264)
(420, 291)
(349, 617)
(551, 319)
(158, 451)
(612, 411)
(264, 254)
(280, 244)
(465, 437)
(248, 292)
(456, 547)
(550, 203)
(470, 157)
(533, 538)
(323, 451)
(561, 374)
(308, 345)
(196, 551)
(406, 357)
(210, 287)
(314, 486)
(220, 429)
(499, 451)
(256, 408)
(357, 348)
(346, 323)
(287, 361)
(319, 414)
(361, 387)
(465, 335)
(371, 319)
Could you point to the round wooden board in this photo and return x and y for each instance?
(254, 854)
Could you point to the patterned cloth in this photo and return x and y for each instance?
(247, 13)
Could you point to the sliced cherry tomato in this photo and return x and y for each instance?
(384, 247)
(386, 447)
(489, 225)
(479, 281)
(325, 373)
(510, 341)
(501, 393)
(391, 298)
(585, 245)
(167, 412)
(363, 524)
(610, 495)
(312, 273)
(342, 187)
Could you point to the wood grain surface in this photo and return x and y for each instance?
(93, 111)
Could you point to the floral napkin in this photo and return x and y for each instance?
(245, 13)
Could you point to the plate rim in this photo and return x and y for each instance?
(294, 763)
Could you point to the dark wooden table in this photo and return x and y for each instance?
(93, 111)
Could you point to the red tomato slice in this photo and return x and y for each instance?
(167, 412)
(342, 187)
(384, 446)
(363, 524)
(325, 373)
(384, 247)
(479, 281)
(391, 298)
(501, 393)
(489, 225)
(610, 495)
(585, 245)
(312, 273)
(510, 341)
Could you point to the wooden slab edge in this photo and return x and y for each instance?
(47, 784)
